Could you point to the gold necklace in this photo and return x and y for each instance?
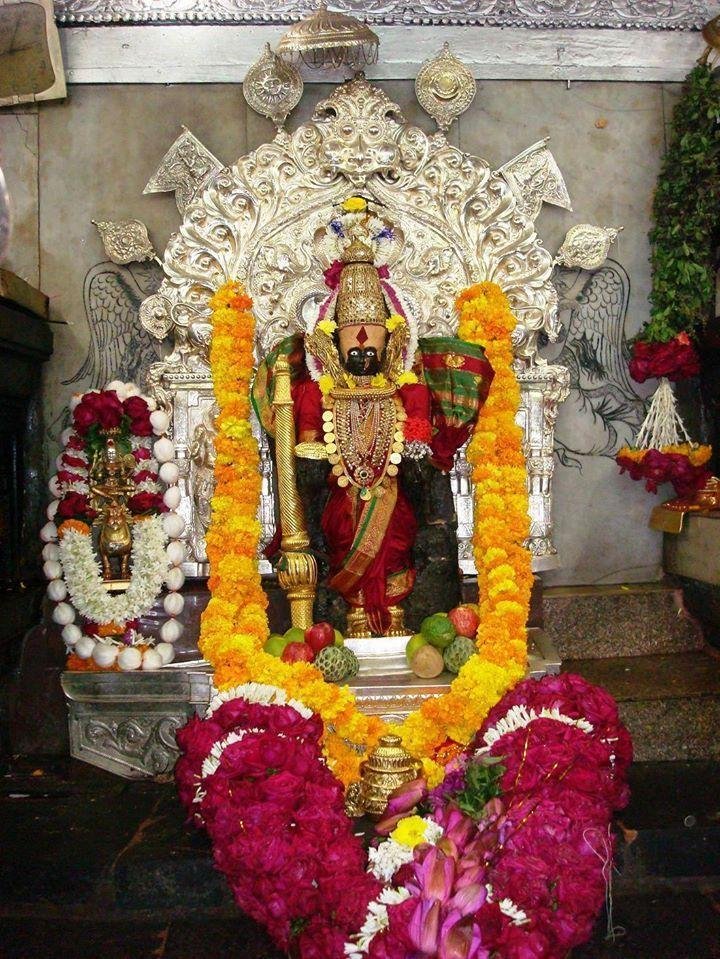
(363, 436)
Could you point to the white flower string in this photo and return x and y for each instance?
(508, 908)
(520, 716)
(259, 693)
(81, 571)
(663, 425)
(376, 921)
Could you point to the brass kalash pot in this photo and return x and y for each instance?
(387, 767)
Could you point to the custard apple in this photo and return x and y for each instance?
(352, 664)
(457, 653)
(332, 663)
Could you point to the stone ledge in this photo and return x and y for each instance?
(601, 622)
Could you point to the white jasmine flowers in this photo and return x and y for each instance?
(376, 921)
(81, 571)
(520, 716)
(259, 693)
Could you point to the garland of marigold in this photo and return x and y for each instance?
(234, 625)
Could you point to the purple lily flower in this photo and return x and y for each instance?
(460, 939)
(424, 927)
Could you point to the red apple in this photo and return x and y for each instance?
(465, 621)
(319, 635)
(297, 653)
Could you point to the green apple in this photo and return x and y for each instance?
(414, 644)
(294, 635)
(275, 644)
(339, 638)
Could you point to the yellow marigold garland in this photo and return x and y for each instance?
(234, 625)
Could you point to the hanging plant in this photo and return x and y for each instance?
(685, 235)
(683, 239)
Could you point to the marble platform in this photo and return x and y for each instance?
(126, 722)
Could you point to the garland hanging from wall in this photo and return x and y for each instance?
(684, 240)
(234, 626)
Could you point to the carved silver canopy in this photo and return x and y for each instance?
(261, 221)
(264, 222)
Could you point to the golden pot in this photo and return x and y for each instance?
(388, 767)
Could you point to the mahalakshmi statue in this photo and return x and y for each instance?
(373, 399)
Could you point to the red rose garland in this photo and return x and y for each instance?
(520, 871)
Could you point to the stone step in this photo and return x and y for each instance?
(669, 702)
(103, 866)
(597, 622)
(671, 827)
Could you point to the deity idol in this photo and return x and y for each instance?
(372, 400)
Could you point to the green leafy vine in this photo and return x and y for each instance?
(686, 211)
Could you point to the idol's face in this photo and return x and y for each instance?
(362, 361)
(362, 348)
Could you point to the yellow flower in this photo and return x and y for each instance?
(354, 204)
(327, 326)
(379, 380)
(410, 831)
(394, 321)
(406, 378)
(326, 383)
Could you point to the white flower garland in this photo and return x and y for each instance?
(376, 921)
(259, 693)
(71, 566)
(520, 716)
(81, 571)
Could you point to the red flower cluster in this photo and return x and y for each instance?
(105, 410)
(145, 502)
(657, 467)
(102, 409)
(138, 412)
(560, 787)
(75, 506)
(676, 359)
(275, 814)
(527, 879)
(417, 428)
(520, 877)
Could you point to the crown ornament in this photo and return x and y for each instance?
(360, 298)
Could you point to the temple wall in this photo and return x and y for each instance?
(90, 156)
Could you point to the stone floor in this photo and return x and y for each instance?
(93, 866)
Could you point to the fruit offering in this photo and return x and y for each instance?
(319, 636)
(465, 620)
(438, 630)
(457, 653)
(427, 662)
(320, 644)
(445, 641)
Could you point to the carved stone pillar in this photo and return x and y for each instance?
(542, 389)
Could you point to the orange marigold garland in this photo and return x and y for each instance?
(234, 625)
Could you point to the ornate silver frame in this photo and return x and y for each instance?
(456, 222)
(623, 14)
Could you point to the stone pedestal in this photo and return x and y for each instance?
(126, 722)
(693, 555)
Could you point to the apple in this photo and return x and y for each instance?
(465, 620)
(414, 644)
(339, 638)
(319, 635)
(297, 653)
(275, 644)
(294, 635)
